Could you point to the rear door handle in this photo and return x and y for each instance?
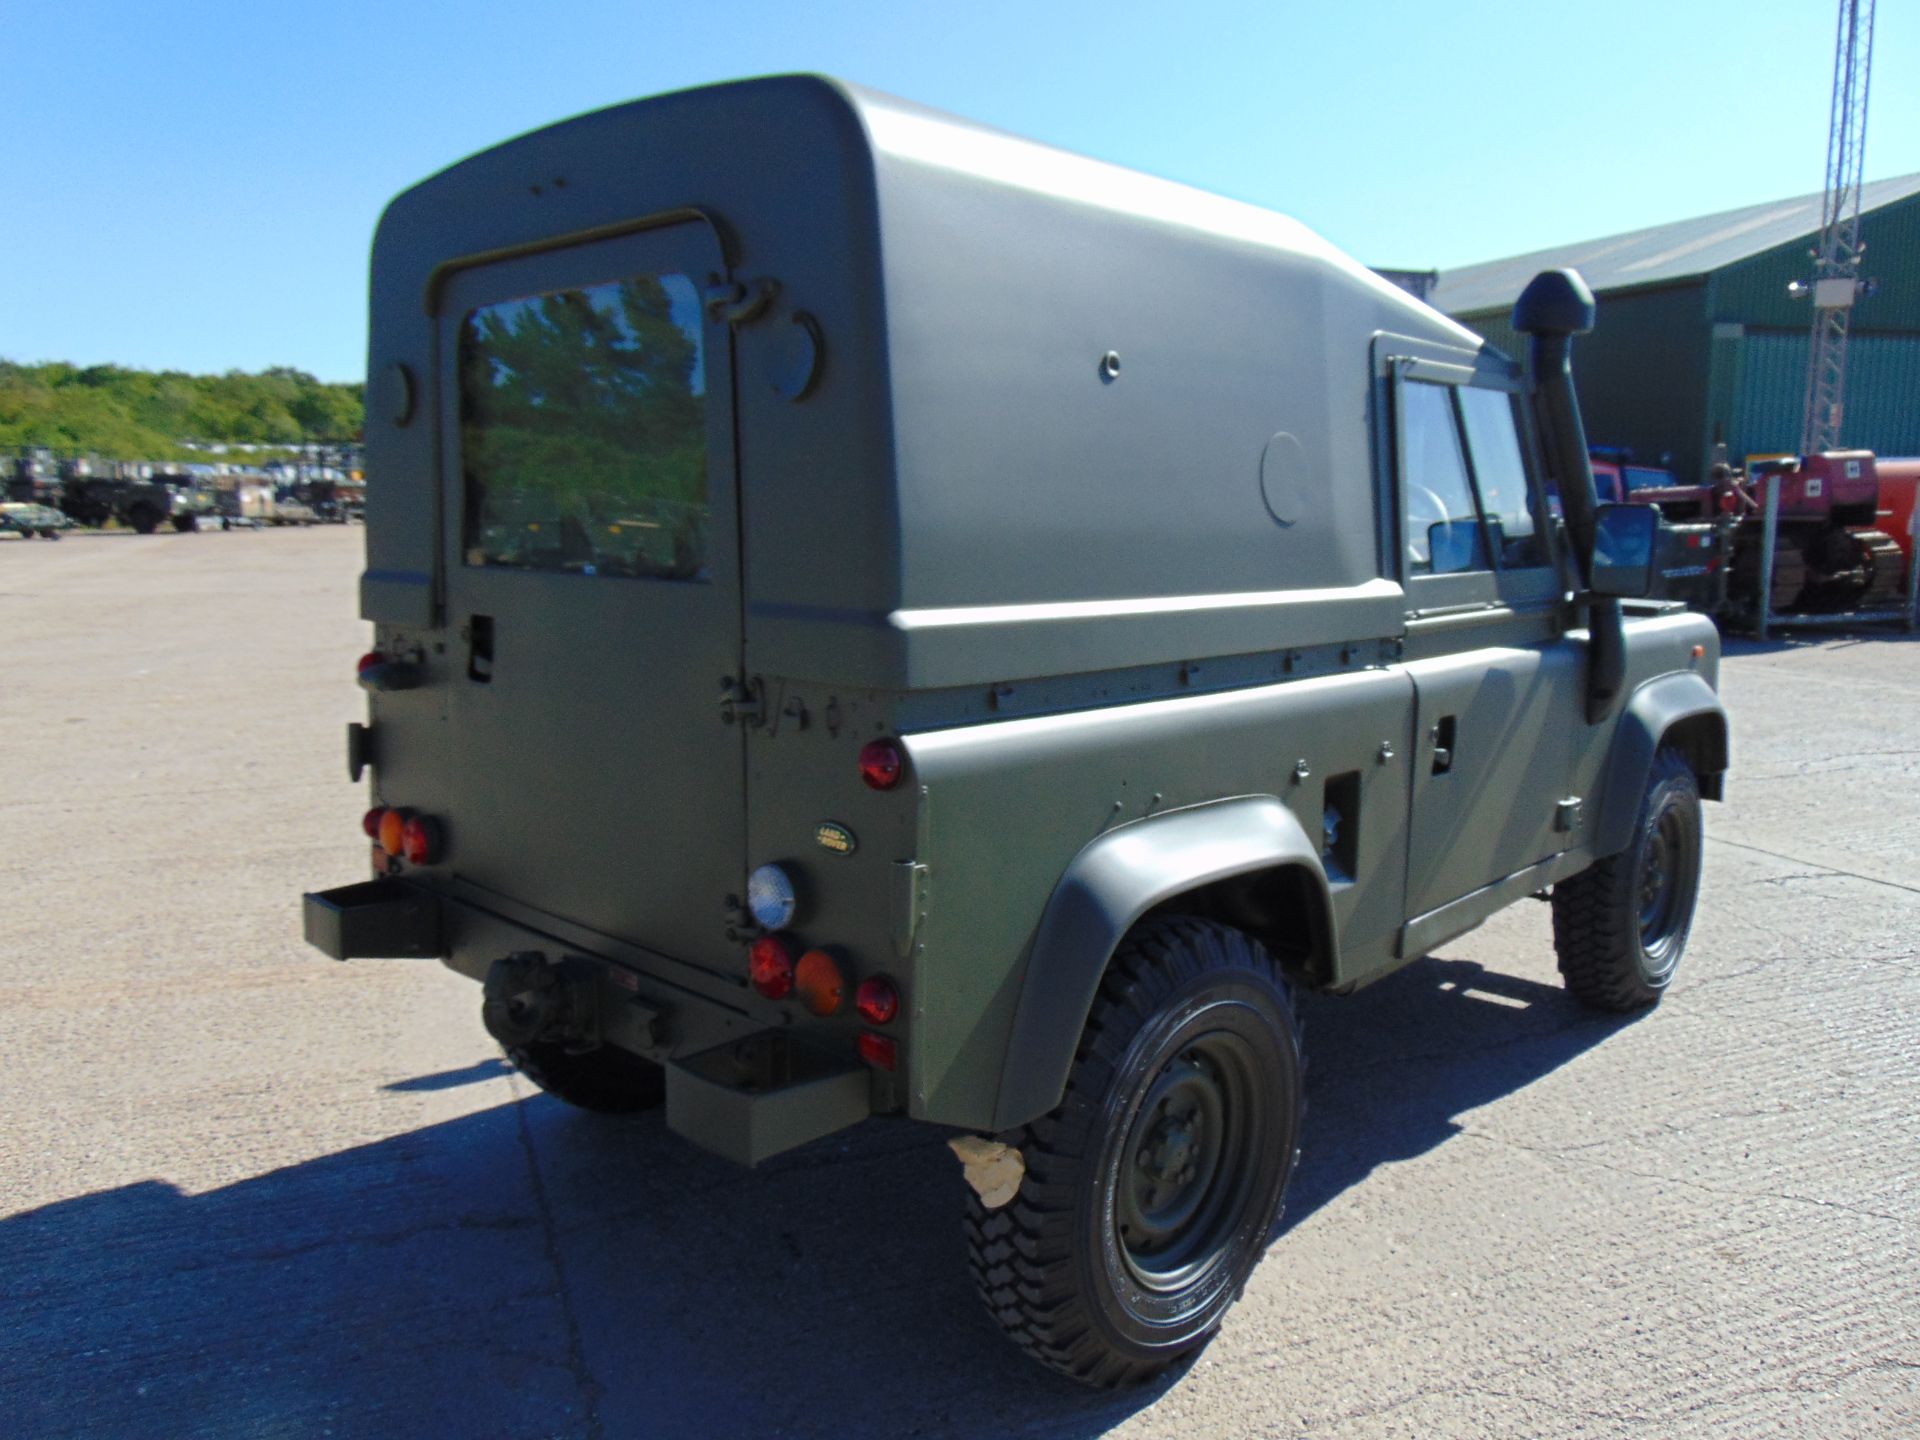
(480, 648)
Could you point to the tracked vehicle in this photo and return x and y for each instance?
(872, 616)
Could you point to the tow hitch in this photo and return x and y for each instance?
(528, 1000)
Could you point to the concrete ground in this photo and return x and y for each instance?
(245, 1191)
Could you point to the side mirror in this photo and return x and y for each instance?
(1454, 546)
(1623, 540)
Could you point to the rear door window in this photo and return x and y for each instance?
(583, 431)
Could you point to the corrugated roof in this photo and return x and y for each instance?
(1666, 252)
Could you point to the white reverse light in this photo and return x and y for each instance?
(770, 897)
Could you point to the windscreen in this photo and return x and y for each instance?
(583, 425)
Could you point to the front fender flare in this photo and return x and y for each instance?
(1656, 708)
(1111, 883)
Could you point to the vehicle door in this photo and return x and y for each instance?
(1496, 683)
(592, 577)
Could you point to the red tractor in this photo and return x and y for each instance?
(1829, 552)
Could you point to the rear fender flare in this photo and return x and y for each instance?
(1110, 884)
(1682, 706)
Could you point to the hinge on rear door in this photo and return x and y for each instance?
(733, 303)
(743, 701)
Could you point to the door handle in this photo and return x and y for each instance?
(479, 632)
(1442, 736)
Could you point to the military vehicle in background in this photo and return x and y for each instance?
(28, 519)
(1130, 611)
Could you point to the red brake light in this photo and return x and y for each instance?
(881, 763)
(421, 840)
(770, 967)
(879, 1051)
(393, 831)
(877, 1000)
(370, 822)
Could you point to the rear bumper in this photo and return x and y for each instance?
(739, 1083)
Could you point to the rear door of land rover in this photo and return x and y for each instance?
(593, 586)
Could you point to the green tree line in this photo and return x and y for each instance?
(125, 414)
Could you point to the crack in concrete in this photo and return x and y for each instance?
(576, 1362)
(1566, 1154)
(1814, 864)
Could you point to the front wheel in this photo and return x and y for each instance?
(1151, 1190)
(1621, 925)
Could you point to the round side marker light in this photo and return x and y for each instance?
(819, 982)
(881, 764)
(770, 967)
(877, 1000)
(771, 898)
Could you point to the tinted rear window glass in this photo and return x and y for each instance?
(583, 424)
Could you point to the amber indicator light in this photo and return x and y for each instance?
(393, 832)
(819, 982)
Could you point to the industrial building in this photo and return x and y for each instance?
(1703, 328)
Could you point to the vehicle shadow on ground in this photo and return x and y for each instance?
(527, 1270)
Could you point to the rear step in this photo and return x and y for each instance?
(751, 1099)
(373, 920)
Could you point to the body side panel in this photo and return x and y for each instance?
(1009, 806)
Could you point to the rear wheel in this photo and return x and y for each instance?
(1151, 1191)
(1621, 925)
(144, 519)
(609, 1080)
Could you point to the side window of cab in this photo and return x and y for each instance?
(1470, 526)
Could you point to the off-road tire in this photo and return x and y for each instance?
(144, 519)
(608, 1080)
(1618, 941)
(1180, 995)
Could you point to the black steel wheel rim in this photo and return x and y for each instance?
(1188, 1166)
(1668, 861)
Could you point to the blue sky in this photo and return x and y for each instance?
(194, 185)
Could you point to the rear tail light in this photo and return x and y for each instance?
(879, 1051)
(770, 967)
(821, 985)
(370, 822)
(422, 841)
(393, 831)
(881, 764)
(382, 672)
(877, 1000)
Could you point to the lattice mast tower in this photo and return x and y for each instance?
(1836, 275)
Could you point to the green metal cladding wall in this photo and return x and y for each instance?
(1882, 404)
(1643, 372)
(1753, 292)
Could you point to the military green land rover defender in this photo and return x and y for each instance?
(873, 616)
